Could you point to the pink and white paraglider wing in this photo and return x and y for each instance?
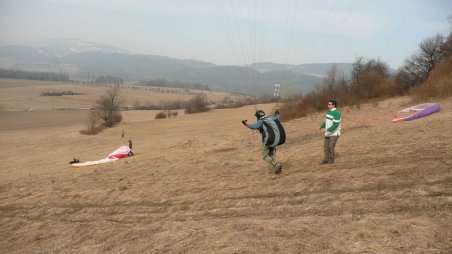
(92, 163)
(121, 152)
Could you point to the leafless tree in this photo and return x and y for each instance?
(92, 121)
(447, 46)
(367, 75)
(362, 65)
(418, 67)
(331, 79)
(107, 107)
(430, 51)
(197, 104)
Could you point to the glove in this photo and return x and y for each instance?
(277, 111)
(245, 122)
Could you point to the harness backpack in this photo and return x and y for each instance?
(273, 132)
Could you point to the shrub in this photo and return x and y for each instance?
(367, 84)
(197, 104)
(92, 126)
(165, 114)
(294, 107)
(93, 131)
(160, 115)
(390, 88)
(243, 101)
(117, 117)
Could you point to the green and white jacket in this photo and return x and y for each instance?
(332, 123)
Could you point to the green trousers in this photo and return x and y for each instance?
(328, 148)
(268, 154)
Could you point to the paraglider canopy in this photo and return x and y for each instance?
(418, 111)
(121, 152)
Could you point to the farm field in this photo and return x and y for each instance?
(21, 95)
(197, 184)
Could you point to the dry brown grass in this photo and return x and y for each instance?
(197, 184)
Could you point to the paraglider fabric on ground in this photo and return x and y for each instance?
(419, 110)
(121, 152)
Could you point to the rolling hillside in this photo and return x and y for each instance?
(86, 61)
(197, 184)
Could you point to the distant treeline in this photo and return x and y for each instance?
(47, 76)
(174, 84)
(69, 92)
(109, 80)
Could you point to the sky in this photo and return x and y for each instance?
(236, 32)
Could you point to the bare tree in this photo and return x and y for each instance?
(430, 51)
(107, 108)
(197, 104)
(331, 79)
(447, 46)
(362, 65)
(417, 68)
(92, 121)
(367, 75)
(357, 68)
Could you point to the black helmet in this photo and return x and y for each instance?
(259, 114)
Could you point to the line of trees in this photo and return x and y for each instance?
(46, 76)
(418, 67)
(109, 80)
(174, 84)
(61, 93)
(371, 79)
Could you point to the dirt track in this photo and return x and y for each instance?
(197, 184)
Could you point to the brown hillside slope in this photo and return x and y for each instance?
(197, 184)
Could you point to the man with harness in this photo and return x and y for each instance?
(273, 134)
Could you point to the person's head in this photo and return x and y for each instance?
(259, 114)
(332, 104)
(130, 141)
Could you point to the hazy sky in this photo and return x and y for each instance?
(236, 32)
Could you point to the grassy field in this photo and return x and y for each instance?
(197, 184)
(20, 95)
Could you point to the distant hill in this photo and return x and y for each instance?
(85, 61)
(61, 47)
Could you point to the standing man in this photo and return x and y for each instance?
(332, 129)
(130, 146)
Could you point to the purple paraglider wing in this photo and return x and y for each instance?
(420, 110)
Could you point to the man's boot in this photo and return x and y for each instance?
(278, 167)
